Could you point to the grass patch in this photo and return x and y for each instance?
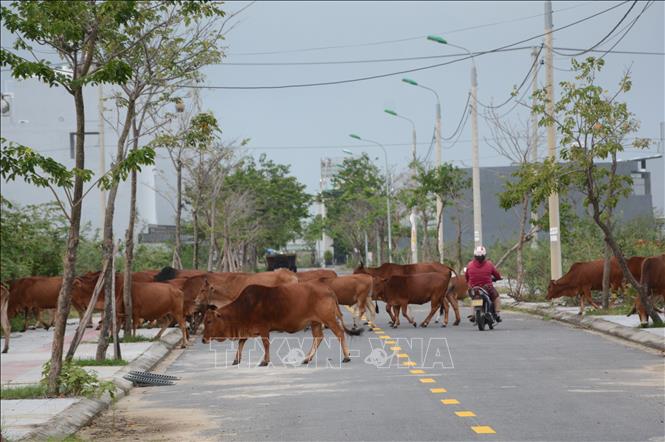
(23, 392)
(137, 338)
(652, 325)
(617, 310)
(95, 363)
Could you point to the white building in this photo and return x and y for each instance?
(43, 118)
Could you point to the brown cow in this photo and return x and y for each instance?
(583, 277)
(386, 270)
(310, 275)
(653, 280)
(157, 301)
(401, 290)
(222, 288)
(4, 316)
(258, 310)
(353, 290)
(34, 294)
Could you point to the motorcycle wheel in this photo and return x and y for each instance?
(480, 320)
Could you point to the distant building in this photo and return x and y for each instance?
(43, 118)
(499, 224)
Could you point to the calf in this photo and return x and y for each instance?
(258, 310)
(457, 290)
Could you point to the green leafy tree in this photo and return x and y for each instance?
(592, 125)
(356, 204)
(51, 24)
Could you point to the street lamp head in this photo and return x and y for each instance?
(390, 112)
(347, 151)
(437, 39)
(410, 81)
(357, 137)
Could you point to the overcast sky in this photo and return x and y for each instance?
(300, 126)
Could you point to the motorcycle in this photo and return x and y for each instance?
(483, 308)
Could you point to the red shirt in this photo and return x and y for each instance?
(480, 274)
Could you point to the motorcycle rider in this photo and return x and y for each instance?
(480, 272)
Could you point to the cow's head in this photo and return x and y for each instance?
(213, 326)
(205, 293)
(557, 290)
(379, 288)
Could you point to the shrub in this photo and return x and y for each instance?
(76, 381)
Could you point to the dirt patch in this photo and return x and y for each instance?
(133, 420)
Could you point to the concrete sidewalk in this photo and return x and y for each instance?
(625, 327)
(28, 352)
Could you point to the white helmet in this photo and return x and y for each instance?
(480, 251)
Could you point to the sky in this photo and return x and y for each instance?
(300, 126)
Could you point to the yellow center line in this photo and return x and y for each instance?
(483, 429)
(449, 401)
(395, 348)
(465, 413)
(427, 381)
(402, 355)
(384, 337)
(389, 342)
(409, 364)
(417, 371)
(438, 390)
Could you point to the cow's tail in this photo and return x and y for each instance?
(4, 316)
(349, 331)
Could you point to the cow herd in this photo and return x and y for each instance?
(240, 306)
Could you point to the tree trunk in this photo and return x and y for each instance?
(108, 239)
(460, 264)
(520, 248)
(176, 262)
(195, 217)
(425, 244)
(129, 258)
(606, 277)
(69, 265)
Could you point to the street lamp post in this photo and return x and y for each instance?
(475, 166)
(413, 217)
(437, 136)
(385, 155)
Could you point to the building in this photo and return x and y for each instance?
(43, 119)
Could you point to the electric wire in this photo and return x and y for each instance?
(405, 71)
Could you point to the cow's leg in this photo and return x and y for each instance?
(581, 305)
(405, 313)
(452, 299)
(317, 335)
(135, 323)
(339, 333)
(25, 319)
(265, 338)
(434, 307)
(241, 345)
(389, 310)
(589, 297)
(164, 322)
(183, 329)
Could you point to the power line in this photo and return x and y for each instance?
(459, 125)
(630, 27)
(526, 77)
(400, 40)
(405, 71)
(609, 34)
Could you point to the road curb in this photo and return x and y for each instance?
(634, 335)
(79, 414)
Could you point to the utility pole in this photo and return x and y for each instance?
(102, 150)
(555, 234)
(413, 218)
(534, 134)
(477, 205)
(439, 203)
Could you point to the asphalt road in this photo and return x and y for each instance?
(529, 379)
